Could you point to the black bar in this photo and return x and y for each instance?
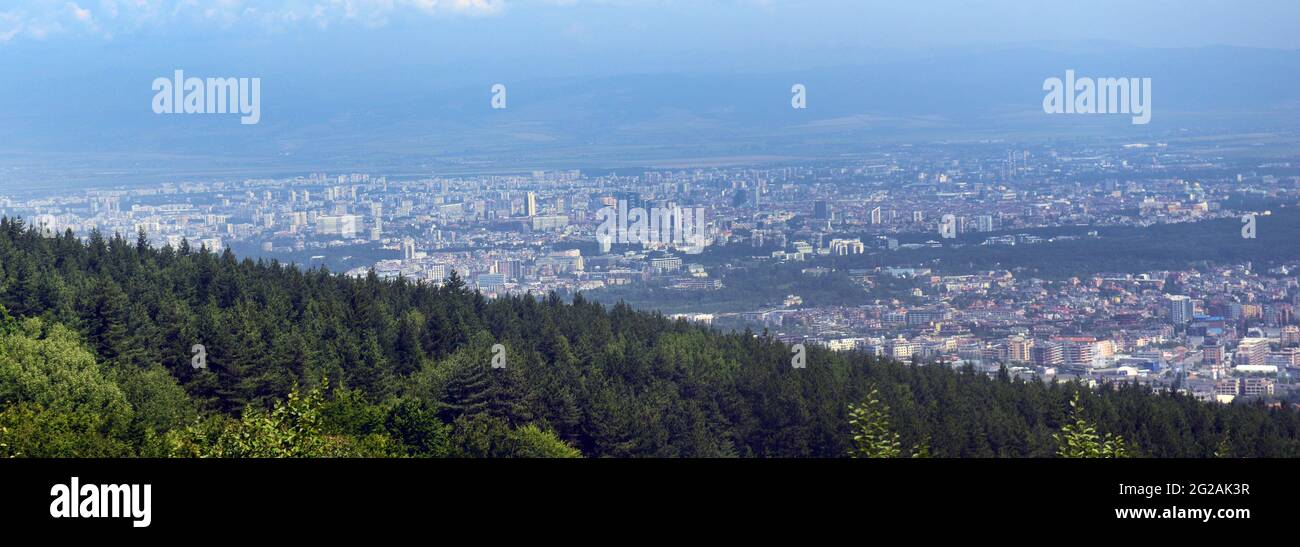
(232, 498)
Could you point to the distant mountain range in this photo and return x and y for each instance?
(89, 121)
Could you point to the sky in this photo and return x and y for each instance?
(735, 31)
(476, 40)
(402, 75)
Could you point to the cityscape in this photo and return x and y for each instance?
(1219, 331)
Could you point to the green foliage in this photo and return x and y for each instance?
(490, 437)
(872, 437)
(1079, 438)
(293, 428)
(95, 359)
(7, 323)
(756, 286)
(33, 431)
(160, 404)
(1224, 448)
(417, 427)
(531, 441)
(48, 365)
(1117, 249)
(921, 450)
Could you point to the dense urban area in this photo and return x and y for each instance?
(1051, 261)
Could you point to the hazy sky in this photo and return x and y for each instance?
(733, 31)
(410, 77)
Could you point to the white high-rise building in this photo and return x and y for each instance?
(1252, 351)
(47, 225)
(841, 247)
(408, 248)
(376, 221)
(1180, 309)
(339, 225)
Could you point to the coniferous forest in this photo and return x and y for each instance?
(97, 359)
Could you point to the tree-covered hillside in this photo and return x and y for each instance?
(96, 360)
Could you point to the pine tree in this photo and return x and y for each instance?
(409, 350)
(107, 317)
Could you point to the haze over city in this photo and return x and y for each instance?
(406, 85)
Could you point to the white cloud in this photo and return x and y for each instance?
(79, 13)
(39, 19)
(10, 26)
